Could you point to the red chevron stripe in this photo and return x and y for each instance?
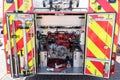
(31, 9)
(20, 3)
(87, 71)
(11, 8)
(103, 25)
(90, 54)
(5, 35)
(98, 42)
(117, 18)
(5, 39)
(20, 44)
(116, 40)
(4, 19)
(106, 6)
(30, 55)
(90, 9)
(99, 66)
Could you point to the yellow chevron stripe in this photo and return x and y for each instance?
(95, 6)
(116, 33)
(115, 6)
(26, 5)
(116, 29)
(19, 33)
(100, 32)
(5, 29)
(31, 64)
(6, 6)
(11, 18)
(30, 45)
(114, 48)
(93, 69)
(95, 50)
(101, 10)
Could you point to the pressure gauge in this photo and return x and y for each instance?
(77, 32)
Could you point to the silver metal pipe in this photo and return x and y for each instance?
(25, 46)
(9, 46)
(15, 51)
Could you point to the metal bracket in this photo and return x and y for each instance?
(14, 36)
(24, 27)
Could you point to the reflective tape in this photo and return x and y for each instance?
(92, 68)
(10, 7)
(107, 7)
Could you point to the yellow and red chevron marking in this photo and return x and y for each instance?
(25, 5)
(92, 68)
(96, 42)
(20, 40)
(98, 36)
(107, 7)
(6, 8)
(30, 47)
(10, 7)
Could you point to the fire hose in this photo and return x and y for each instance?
(56, 65)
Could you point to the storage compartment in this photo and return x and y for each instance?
(60, 42)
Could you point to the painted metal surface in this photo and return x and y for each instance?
(99, 41)
(21, 5)
(24, 45)
(106, 6)
(102, 45)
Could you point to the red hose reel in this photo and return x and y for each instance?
(57, 64)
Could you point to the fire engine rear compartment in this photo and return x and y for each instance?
(56, 44)
(60, 42)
